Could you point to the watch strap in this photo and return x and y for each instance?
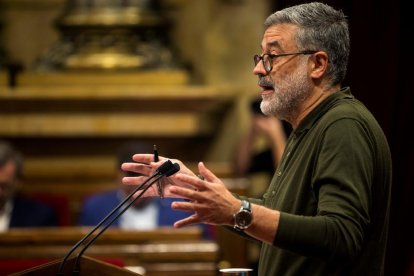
(246, 205)
(244, 208)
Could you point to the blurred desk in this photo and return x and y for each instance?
(164, 251)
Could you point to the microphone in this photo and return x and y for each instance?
(166, 169)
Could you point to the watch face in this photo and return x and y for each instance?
(243, 219)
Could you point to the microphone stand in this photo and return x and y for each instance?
(76, 270)
(166, 169)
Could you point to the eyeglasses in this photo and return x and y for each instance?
(268, 59)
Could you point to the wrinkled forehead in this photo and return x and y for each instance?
(279, 38)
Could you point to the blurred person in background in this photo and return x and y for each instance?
(268, 129)
(17, 210)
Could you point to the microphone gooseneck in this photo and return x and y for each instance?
(166, 169)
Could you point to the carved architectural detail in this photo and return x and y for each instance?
(110, 34)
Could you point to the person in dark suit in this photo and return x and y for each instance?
(145, 214)
(17, 210)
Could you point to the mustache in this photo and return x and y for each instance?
(265, 82)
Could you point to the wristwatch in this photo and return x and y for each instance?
(243, 218)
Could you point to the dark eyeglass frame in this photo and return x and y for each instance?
(268, 64)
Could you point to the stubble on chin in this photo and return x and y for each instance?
(288, 96)
(275, 105)
(269, 104)
(283, 106)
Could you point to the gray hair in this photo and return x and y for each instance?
(9, 153)
(320, 28)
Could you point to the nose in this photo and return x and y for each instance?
(259, 69)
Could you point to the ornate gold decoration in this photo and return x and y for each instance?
(110, 34)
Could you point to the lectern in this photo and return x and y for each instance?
(88, 267)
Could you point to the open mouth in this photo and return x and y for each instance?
(267, 89)
(266, 85)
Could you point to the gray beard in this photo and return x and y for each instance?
(288, 95)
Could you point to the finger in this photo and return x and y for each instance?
(145, 157)
(137, 167)
(187, 221)
(185, 193)
(176, 180)
(194, 182)
(206, 173)
(185, 206)
(136, 180)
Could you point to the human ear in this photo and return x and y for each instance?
(319, 64)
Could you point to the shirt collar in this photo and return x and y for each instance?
(321, 109)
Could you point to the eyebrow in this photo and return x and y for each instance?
(273, 44)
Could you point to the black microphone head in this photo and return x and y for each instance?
(168, 168)
(175, 168)
(165, 167)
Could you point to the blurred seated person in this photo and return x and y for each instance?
(144, 214)
(270, 130)
(17, 210)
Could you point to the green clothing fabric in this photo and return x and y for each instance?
(332, 188)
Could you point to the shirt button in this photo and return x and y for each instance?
(273, 192)
(288, 153)
(279, 173)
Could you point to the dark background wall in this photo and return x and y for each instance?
(379, 74)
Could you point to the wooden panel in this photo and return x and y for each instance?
(46, 169)
(164, 251)
(102, 92)
(69, 235)
(75, 125)
(90, 114)
(133, 254)
(116, 99)
(112, 110)
(147, 77)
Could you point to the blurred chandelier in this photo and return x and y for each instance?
(110, 34)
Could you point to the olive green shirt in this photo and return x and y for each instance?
(332, 188)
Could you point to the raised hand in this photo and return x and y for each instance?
(209, 199)
(146, 167)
